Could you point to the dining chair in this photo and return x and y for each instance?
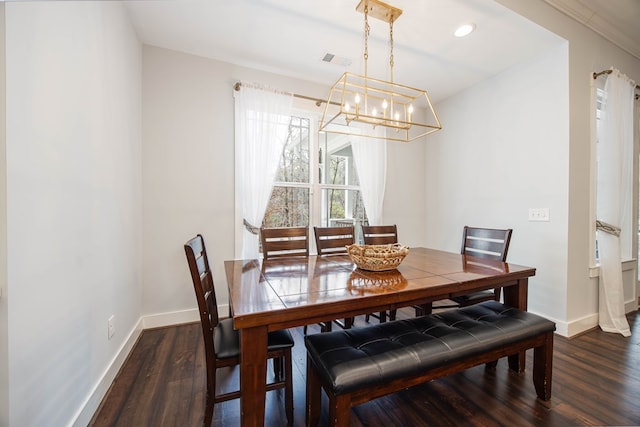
(222, 341)
(380, 235)
(284, 242)
(487, 243)
(334, 241)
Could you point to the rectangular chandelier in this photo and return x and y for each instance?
(369, 107)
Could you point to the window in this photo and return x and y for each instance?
(322, 189)
(289, 205)
(341, 199)
(599, 100)
(599, 105)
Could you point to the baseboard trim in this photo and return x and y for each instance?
(91, 404)
(84, 415)
(579, 326)
(171, 318)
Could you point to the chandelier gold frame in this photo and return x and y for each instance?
(361, 105)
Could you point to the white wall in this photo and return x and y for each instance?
(73, 148)
(588, 53)
(504, 148)
(405, 195)
(4, 320)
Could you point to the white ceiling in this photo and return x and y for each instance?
(290, 37)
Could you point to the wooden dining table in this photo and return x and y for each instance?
(289, 292)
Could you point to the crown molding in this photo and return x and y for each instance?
(590, 17)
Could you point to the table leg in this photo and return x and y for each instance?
(516, 296)
(253, 375)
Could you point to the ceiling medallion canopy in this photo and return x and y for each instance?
(369, 107)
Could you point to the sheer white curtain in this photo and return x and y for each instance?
(262, 118)
(370, 156)
(614, 196)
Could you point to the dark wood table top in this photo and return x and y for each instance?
(303, 290)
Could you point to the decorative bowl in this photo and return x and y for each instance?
(377, 257)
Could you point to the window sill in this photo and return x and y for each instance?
(628, 264)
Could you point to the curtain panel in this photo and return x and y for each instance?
(370, 156)
(614, 196)
(262, 117)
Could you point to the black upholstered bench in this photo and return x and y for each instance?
(361, 364)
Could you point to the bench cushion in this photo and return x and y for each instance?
(361, 357)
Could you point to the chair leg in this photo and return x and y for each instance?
(208, 410)
(210, 398)
(348, 322)
(382, 316)
(426, 308)
(288, 387)
(277, 368)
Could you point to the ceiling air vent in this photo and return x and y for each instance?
(336, 60)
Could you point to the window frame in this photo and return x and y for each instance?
(314, 185)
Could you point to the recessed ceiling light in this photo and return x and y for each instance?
(465, 30)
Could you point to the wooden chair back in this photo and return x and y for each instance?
(333, 240)
(284, 242)
(203, 286)
(492, 243)
(228, 353)
(380, 234)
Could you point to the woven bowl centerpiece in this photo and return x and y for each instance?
(377, 257)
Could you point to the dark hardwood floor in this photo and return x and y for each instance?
(596, 382)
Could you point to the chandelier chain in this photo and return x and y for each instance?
(391, 50)
(367, 30)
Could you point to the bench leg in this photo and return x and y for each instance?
(491, 366)
(542, 367)
(314, 390)
(517, 361)
(339, 411)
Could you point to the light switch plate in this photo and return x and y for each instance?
(538, 214)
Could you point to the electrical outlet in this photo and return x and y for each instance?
(111, 327)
